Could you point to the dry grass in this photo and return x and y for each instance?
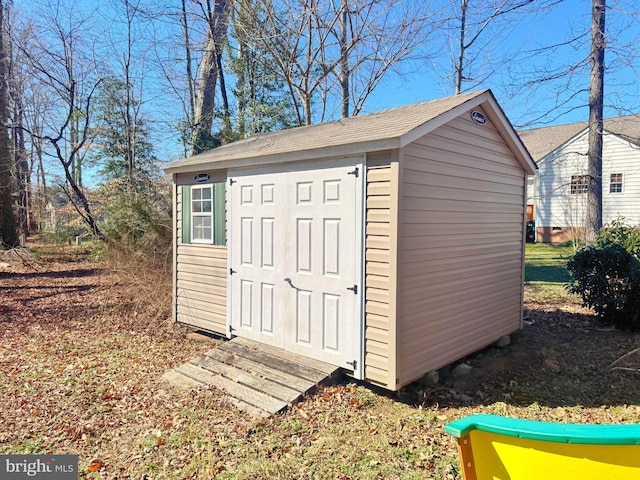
(81, 355)
(147, 275)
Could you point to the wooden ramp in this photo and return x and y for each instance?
(258, 378)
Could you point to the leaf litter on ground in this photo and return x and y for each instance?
(81, 358)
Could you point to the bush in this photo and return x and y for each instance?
(137, 219)
(138, 231)
(607, 276)
(618, 232)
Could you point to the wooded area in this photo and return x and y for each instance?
(96, 98)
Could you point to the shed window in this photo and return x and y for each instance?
(615, 184)
(203, 214)
(579, 184)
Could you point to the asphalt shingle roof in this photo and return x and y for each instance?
(541, 141)
(385, 125)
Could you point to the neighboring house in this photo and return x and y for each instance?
(558, 192)
(388, 244)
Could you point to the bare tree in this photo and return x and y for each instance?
(380, 39)
(559, 70)
(16, 81)
(478, 33)
(28, 107)
(319, 45)
(54, 58)
(299, 38)
(344, 72)
(122, 93)
(8, 233)
(596, 101)
(188, 62)
(190, 47)
(473, 23)
(35, 105)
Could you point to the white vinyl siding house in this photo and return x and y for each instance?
(388, 244)
(559, 189)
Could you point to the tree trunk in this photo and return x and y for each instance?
(242, 90)
(187, 51)
(209, 74)
(460, 63)
(344, 59)
(21, 167)
(596, 96)
(8, 230)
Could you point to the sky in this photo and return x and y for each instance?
(526, 106)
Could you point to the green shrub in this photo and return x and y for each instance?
(137, 219)
(607, 275)
(618, 232)
(137, 226)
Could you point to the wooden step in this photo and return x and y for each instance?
(277, 362)
(260, 369)
(260, 384)
(257, 378)
(294, 357)
(234, 389)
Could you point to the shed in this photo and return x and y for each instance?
(389, 244)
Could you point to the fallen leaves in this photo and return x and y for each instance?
(80, 361)
(95, 466)
(69, 382)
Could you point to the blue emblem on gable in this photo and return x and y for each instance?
(202, 177)
(478, 117)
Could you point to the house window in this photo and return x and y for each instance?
(615, 185)
(579, 184)
(203, 214)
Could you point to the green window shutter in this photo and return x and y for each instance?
(186, 214)
(219, 213)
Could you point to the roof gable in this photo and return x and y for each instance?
(384, 130)
(542, 141)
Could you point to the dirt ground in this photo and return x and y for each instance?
(81, 354)
(561, 358)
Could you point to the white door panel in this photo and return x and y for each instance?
(256, 260)
(295, 246)
(323, 215)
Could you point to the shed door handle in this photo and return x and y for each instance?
(288, 280)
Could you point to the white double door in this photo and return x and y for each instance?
(295, 248)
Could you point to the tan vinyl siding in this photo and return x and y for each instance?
(378, 329)
(201, 281)
(460, 242)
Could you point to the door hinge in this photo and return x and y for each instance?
(232, 271)
(231, 181)
(354, 364)
(354, 289)
(355, 172)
